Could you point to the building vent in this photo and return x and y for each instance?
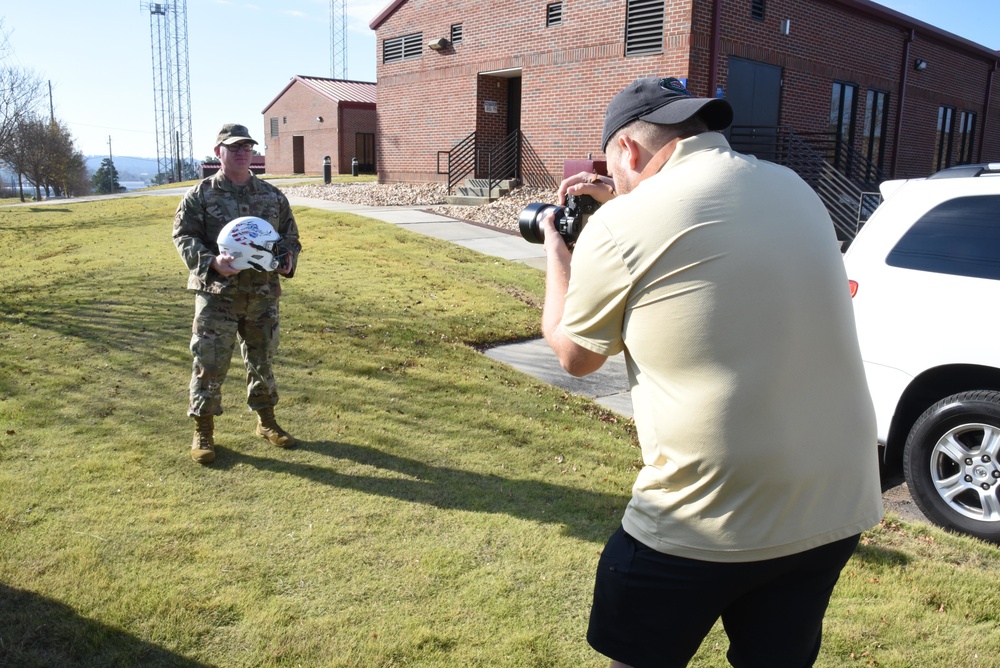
(456, 33)
(553, 14)
(406, 47)
(757, 9)
(274, 126)
(643, 27)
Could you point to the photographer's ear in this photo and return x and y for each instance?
(630, 153)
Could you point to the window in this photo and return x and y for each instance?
(876, 122)
(966, 136)
(406, 47)
(842, 103)
(945, 135)
(757, 9)
(456, 33)
(274, 126)
(959, 237)
(643, 27)
(553, 14)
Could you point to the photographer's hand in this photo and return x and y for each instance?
(601, 188)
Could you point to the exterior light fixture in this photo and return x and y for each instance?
(437, 44)
(920, 64)
(319, 119)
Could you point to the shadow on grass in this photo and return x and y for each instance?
(582, 513)
(875, 554)
(37, 631)
(154, 325)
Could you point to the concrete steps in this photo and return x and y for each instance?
(475, 192)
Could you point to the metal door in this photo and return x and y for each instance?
(754, 91)
(298, 154)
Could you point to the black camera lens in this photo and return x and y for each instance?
(530, 221)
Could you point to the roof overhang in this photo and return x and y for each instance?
(509, 73)
(385, 14)
(891, 16)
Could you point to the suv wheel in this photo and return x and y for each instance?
(951, 463)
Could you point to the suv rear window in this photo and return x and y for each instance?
(959, 237)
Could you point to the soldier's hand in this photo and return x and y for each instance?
(222, 264)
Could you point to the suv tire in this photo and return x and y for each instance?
(951, 463)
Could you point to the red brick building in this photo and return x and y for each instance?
(861, 84)
(314, 117)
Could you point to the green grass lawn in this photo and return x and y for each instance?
(441, 509)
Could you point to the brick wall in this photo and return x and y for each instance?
(355, 117)
(298, 111)
(569, 73)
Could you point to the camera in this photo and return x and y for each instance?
(569, 219)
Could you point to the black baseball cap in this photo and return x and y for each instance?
(663, 101)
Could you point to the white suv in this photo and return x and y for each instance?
(925, 275)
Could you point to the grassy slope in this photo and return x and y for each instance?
(442, 509)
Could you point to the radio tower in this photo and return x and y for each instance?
(338, 39)
(171, 89)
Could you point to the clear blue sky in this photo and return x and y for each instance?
(98, 56)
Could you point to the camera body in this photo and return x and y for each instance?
(569, 220)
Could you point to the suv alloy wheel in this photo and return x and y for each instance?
(951, 463)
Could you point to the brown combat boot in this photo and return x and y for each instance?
(268, 428)
(203, 445)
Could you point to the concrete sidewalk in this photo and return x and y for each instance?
(481, 238)
(608, 386)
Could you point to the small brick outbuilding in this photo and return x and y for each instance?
(315, 117)
(863, 84)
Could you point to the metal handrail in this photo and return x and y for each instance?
(844, 157)
(847, 199)
(461, 161)
(504, 161)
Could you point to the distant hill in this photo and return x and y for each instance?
(129, 168)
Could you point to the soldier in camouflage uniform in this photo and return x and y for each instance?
(232, 305)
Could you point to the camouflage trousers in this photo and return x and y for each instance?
(219, 322)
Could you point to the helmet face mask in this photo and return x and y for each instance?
(253, 243)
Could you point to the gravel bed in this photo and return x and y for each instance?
(501, 213)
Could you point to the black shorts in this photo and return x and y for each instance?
(654, 610)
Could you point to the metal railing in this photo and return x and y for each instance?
(845, 158)
(499, 163)
(503, 161)
(843, 179)
(461, 161)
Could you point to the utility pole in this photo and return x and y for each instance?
(111, 168)
(52, 109)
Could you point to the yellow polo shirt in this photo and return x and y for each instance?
(721, 279)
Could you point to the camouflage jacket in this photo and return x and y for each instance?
(207, 208)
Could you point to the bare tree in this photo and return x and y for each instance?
(20, 92)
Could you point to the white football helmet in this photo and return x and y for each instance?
(253, 242)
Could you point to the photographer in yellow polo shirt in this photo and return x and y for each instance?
(720, 277)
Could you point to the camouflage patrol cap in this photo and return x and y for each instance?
(232, 133)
